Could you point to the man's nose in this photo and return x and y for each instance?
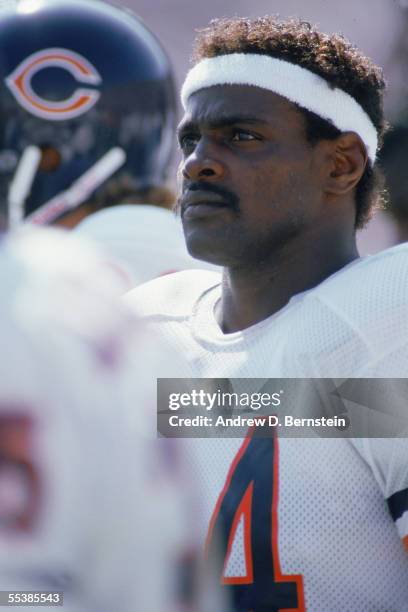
(202, 164)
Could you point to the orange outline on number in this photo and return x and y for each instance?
(244, 509)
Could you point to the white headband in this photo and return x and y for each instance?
(293, 82)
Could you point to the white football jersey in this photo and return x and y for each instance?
(141, 242)
(311, 524)
(89, 505)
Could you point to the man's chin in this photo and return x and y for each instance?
(204, 254)
(205, 249)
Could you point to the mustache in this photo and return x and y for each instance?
(229, 197)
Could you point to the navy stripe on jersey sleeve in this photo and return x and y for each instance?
(398, 504)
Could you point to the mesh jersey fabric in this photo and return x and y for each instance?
(335, 528)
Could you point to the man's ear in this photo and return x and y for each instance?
(348, 160)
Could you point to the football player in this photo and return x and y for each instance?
(89, 108)
(90, 506)
(279, 138)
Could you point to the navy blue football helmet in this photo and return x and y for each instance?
(91, 88)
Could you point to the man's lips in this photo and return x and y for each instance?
(196, 204)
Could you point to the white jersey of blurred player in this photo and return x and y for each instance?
(143, 242)
(309, 524)
(88, 505)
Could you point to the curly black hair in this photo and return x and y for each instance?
(329, 56)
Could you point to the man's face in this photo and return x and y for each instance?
(249, 178)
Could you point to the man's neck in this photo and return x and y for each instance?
(250, 295)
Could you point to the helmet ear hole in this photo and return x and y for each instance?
(50, 158)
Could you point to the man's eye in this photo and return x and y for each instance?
(189, 141)
(241, 136)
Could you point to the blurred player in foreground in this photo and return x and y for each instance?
(89, 109)
(279, 138)
(88, 505)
